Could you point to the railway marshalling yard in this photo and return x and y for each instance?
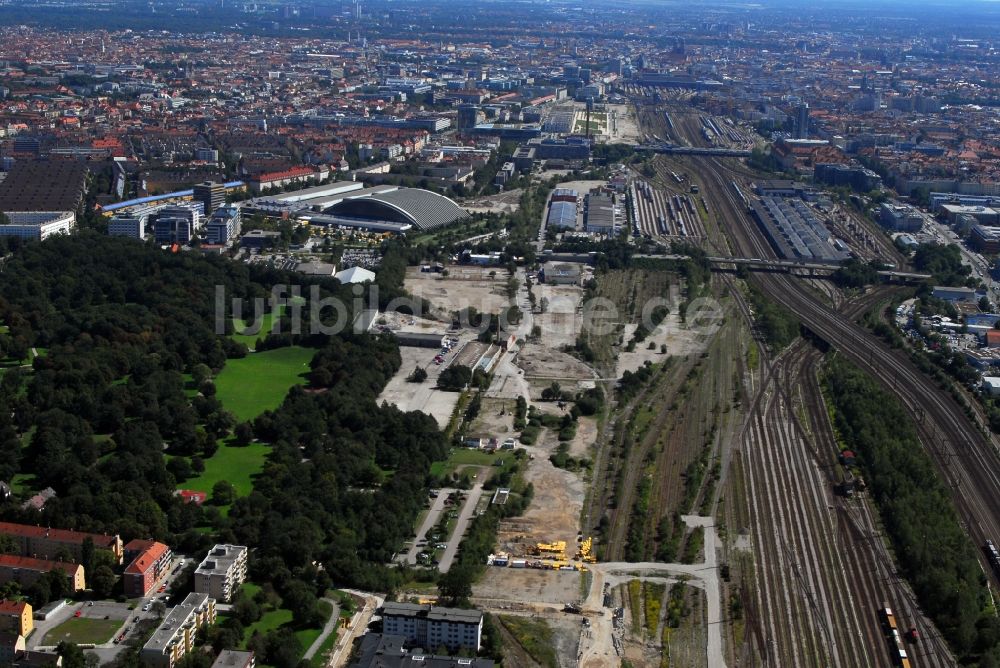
(709, 490)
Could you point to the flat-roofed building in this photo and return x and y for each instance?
(38, 225)
(175, 636)
(224, 225)
(231, 658)
(15, 617)
(431, 626)
(25, 571)
(11, 646)
(128, 225)
(221, 573)
(210, 193)
(46, 542)
(900, 217)
(599, 214)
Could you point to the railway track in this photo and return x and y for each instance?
(836, 598)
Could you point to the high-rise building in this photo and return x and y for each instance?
(469, 116)
(211, 194)
(802, 122)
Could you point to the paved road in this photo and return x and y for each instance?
(330, 627)
(705, 576)
(471, 501)
(356, 627)
(433, 515)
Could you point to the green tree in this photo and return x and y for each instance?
(72, 655)
(455, 586)
(102, 581)
(223, 493)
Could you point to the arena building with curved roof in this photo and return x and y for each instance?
(422, 209)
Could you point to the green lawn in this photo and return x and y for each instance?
(318, 660)
(460, 456)
(250, 340)
(258, 382)
(236, 464)
(269, 621)
(83, 631)
(275, 619)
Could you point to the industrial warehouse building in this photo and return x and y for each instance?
(599, 214)
(562, 216)
(431, 626)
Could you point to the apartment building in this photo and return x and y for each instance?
(26, 570)
(431, 626)
(222, 572)
(15, 617)
(176, 634)
(149, 562)
(45, 543)
(231, 658)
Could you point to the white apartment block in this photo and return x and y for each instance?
(221, 573)
(38, 224)
(176, 634)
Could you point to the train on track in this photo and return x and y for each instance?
(899, 656)
(993, 555)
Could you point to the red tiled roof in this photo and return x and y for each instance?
(60, 535)
(32, 564)
(149, 556)
(286, 174)
(12, 607)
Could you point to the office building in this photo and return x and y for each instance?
(223, 226)
(173, 230)
(15, 617)
(38, 225)
(46, 543)
(26, 570)
(221, 573)
(900, 217)
(802, 122)
(128, 225)
(985, 239)
(469, 116)
(176, 634)
(149, 563)
(431, 626)
(211, 194)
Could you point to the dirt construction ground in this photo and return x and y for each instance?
(681, 340)
(528, 584)
(554, 512)
(463, 287)
(540, 362)
(561, 321)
